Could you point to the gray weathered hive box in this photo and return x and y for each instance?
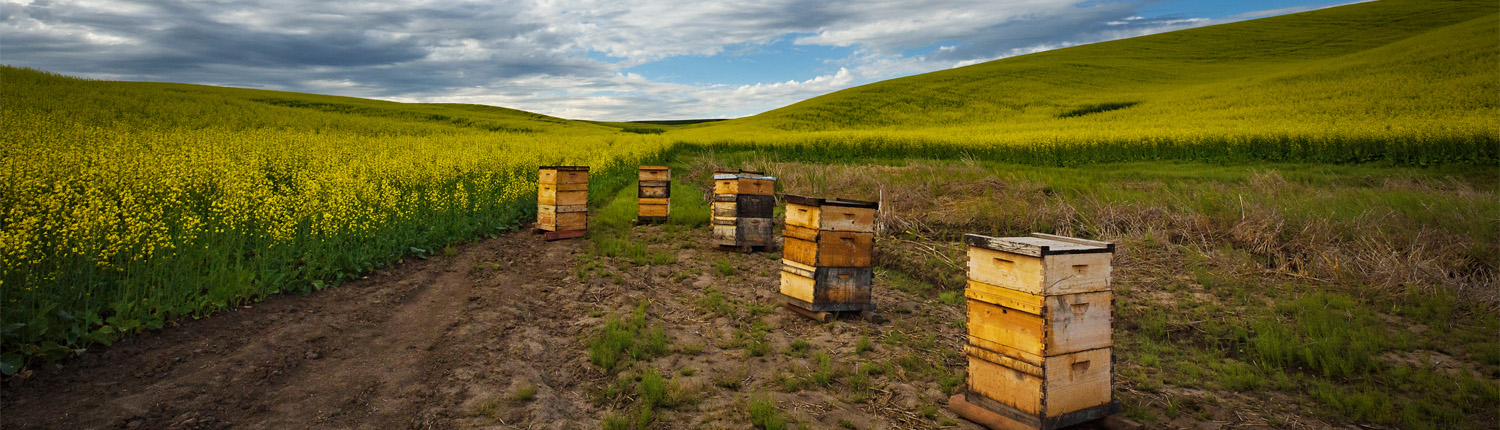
(742, 208)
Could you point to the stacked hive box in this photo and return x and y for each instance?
(825, 264)
(562, 201)
(655, 194)
(1040, 341)
(742, 207)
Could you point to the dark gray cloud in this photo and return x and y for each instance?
(538, 55)
(379, 49)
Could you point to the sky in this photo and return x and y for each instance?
(614, 60)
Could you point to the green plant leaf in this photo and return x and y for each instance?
(51, 351)
(10, 330)
(11, 363)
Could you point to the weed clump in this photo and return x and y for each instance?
(764, 415)
(623, 339)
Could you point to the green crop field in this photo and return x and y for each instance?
(1309, 201)
(1404, 81)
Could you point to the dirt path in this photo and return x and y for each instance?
(405, 347)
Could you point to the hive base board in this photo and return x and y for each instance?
(828, 307)
(650, 220)
(823, 317)
(745, 249)
(565, 234)
(1112, 422)
(960, 406)
(992, 414)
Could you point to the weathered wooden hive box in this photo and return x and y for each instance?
(562, 200)
(1040, 341)
(742, 207)
(825, 264)
(654, 198)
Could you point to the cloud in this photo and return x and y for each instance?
(1286, 10)
(559, 57)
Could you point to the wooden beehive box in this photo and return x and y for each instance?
(1039, 328)
(826, 257)
(742, 207)
(562, 201)
(743, 182)
(654, 199)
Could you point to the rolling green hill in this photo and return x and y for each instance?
(1361, 82)
(170, 105)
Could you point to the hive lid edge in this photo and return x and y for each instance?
(1026, 245)
(565, 168)
(840, 201)
(802, 200)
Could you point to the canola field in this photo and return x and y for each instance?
(128, 205)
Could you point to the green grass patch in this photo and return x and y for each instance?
(524, 392)
(714, 302)
(1324, 333)
(765, 415)
(622, 340)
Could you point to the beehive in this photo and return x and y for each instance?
(742, 207)
(826, 258)
(562, 201)
(654, 199)
(1039, 336)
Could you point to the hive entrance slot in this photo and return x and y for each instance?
(1080, 308)
(1080, 367)
(1082, 269)
(845, 276)
(1004, 264)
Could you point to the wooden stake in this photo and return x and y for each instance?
(993, 421)
(565, 234)
(816, 316)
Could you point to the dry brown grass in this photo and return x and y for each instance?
(927, 206)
